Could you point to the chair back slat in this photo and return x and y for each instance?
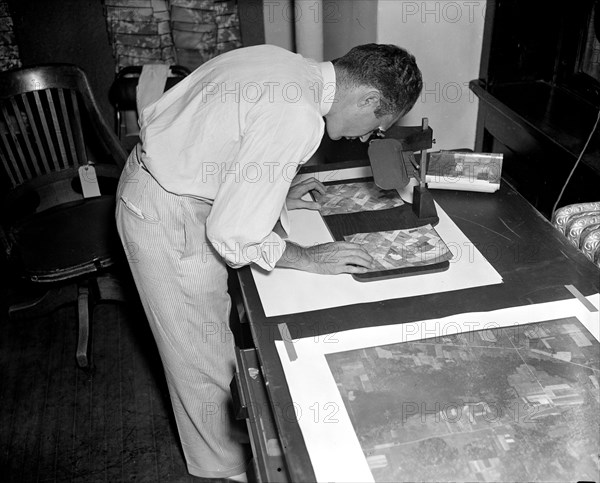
(11, 168)
(15, 153)
(72, 149)
(43, 132)
(50, 124)
(27, 100)
(19, 116)
(78, 130)
(58, 129)
(46, 130)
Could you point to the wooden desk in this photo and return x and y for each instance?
(533, 258)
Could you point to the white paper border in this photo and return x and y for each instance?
(334, 450)
(286, 291)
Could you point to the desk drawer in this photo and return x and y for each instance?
(250, 402)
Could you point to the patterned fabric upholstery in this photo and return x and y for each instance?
(580, 223)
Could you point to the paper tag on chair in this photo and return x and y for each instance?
(89, 181)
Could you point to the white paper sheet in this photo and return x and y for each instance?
(334, 449)
(285, 291)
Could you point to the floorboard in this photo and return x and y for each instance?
(59, 423)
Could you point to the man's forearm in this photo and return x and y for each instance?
(295, 256)
(327, 258)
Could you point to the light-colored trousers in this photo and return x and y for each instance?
(182, 283)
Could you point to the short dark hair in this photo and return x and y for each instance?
(388, 68)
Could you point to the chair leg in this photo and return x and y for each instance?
(57, 297)
(83, 305)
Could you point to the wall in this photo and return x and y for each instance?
(279, 23)
(446, 38)
(344, 23)
(71, 31)
(9, 50)
(252, 23)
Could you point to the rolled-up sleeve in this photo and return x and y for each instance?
(254, 187)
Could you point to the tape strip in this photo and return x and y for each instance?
(579, 296)
(287, 342)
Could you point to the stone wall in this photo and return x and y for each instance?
(9, 51)
(184, 32)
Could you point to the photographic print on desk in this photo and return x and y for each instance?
(415, 247)
(518, 403)
(342, 198)
(464, 171)
(403, 245)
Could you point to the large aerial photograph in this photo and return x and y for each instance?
(519, 403)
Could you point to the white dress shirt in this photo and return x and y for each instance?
(233, 134)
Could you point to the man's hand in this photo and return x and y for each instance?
(328, 259)
(297, 191)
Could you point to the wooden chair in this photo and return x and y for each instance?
(122, 94)
(60, 165)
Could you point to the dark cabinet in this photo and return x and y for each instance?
(539, 97)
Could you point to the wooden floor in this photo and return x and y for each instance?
(58, 423)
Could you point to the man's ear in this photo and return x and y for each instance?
(371, 98)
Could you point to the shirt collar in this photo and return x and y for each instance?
(328, 93)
